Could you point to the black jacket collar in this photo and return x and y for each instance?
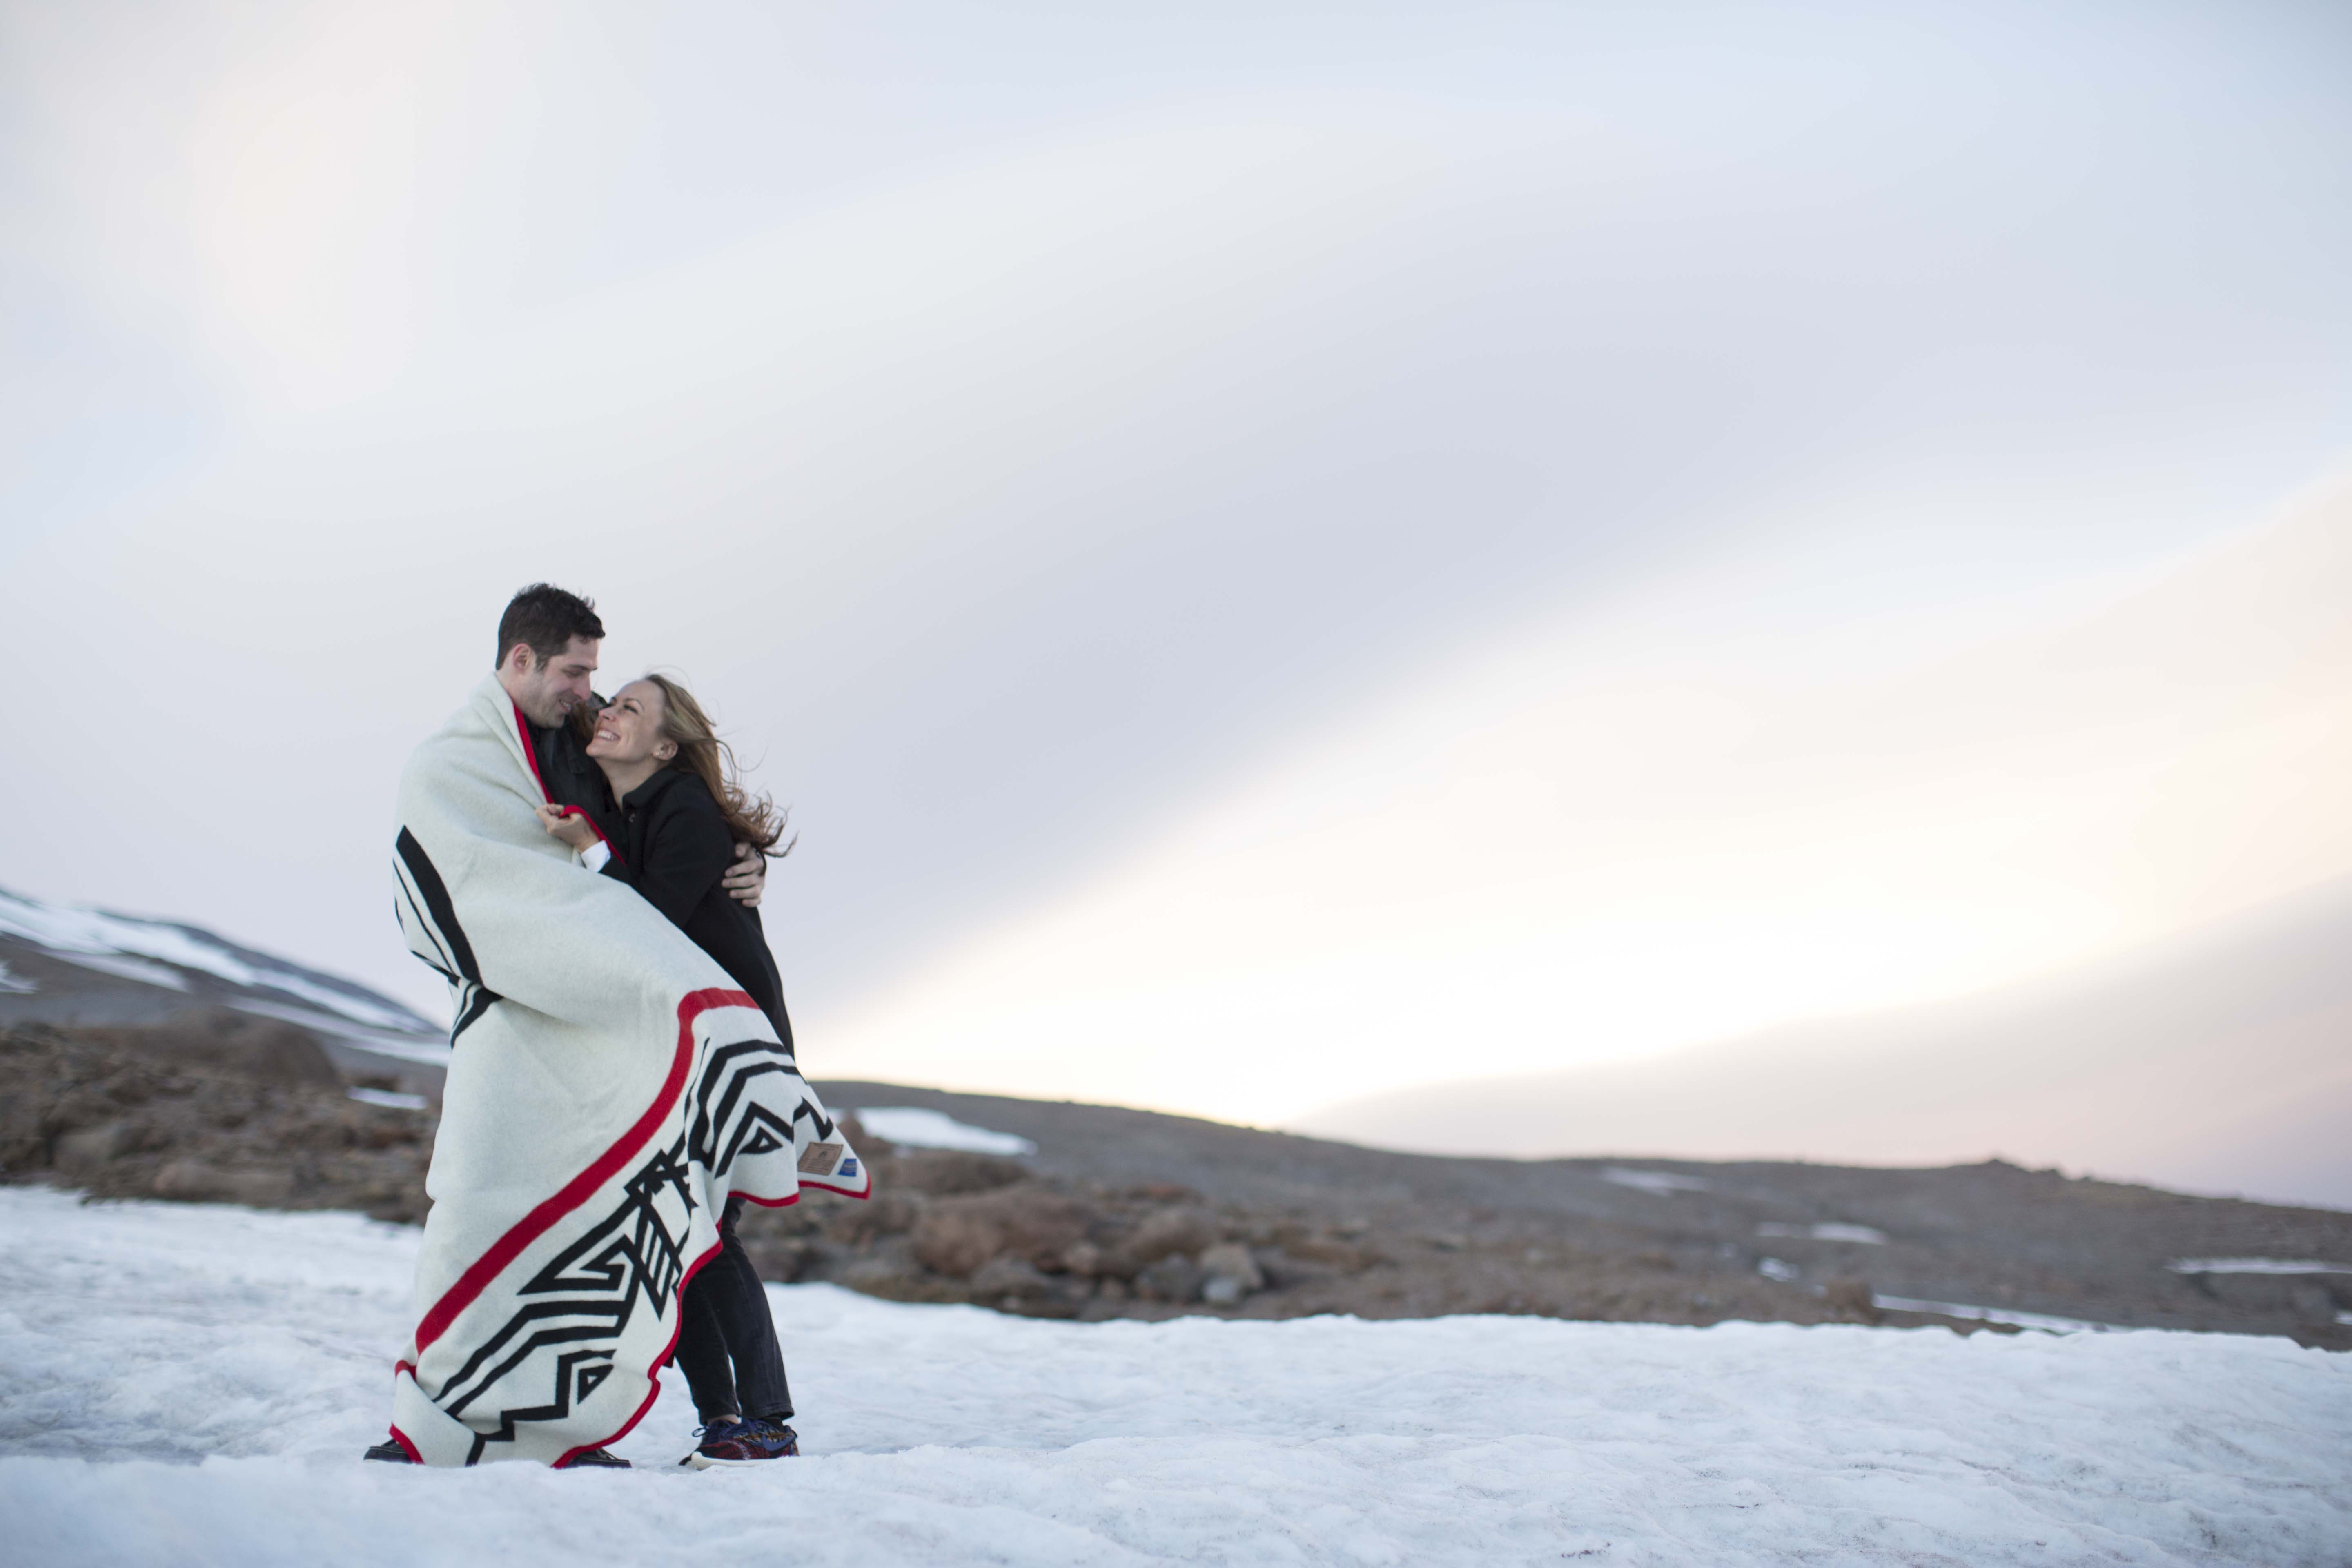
(645, 794)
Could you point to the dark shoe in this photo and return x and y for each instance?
(597, 1459)
(389, 1451)
(742, 1443)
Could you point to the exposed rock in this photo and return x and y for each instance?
(900, 1280)
(80, 1152)
(2315, 1303)
(193, 1181)
(1010, 1285)
(885, 1213)
(1850, 1298)
(951, 1173)
(1326, 1228)
(1230, 1273)
(956, 1236)
(112, 1111)
(223, 1040)
(1171, 1230)
(1174, 1278)
(1345, 1256)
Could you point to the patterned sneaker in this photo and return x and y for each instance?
(742, 1443)
(597, 1459)
(389, 1451)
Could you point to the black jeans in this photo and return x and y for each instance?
(727, 1339)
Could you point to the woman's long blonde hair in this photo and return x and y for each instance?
(752, 819)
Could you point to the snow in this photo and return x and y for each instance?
(193, 1384)
(2042, 1321)
(1831, 1231)
(1775, 1268)
(140, 968)
(1661, 1184)
(2255, 1265)
(117, 942)
(14, 984)
(391, 1098)
(920, 1129)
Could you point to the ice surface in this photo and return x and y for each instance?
(136, 1339)
(391, 1098)
(2042, 1321)
(920, 1129)
(95, 937)
(1830, 1231)
(1664, 1183)
(144, 971)
(2255, 1265)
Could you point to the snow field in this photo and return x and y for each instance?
(137, 1339)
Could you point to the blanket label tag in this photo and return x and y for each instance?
(819, 1159)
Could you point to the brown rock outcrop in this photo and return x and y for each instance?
(957, 1235)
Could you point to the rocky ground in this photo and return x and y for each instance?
(1129, 1214)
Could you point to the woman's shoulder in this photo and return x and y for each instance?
(686, 794)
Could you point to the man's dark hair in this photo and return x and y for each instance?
(547, 619)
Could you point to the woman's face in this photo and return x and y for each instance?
(629, 728)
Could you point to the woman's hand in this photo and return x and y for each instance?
(568, 823)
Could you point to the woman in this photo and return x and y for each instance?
(680, 814)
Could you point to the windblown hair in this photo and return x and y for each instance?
(546, 618)
(753, 819)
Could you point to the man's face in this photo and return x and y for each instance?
(548, 689)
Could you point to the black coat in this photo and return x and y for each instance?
(672, 846)
(571, 777)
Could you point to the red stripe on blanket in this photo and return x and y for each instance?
(577, 1191)
(530, 751)
(530, 755)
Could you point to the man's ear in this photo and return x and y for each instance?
(518, 656)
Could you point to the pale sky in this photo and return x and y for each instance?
(1275, 551)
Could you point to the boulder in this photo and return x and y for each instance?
(1174, 1278)
(94, 1146)
(193, 1181)
(952, 1172)
(226, 1041)
(1851, 1299)
(1171, 1230)
(1229, 1274)
(956, 1236)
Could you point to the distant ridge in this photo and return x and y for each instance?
(64, 963)
(2218, 1062)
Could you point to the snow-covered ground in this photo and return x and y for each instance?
(189, 1385)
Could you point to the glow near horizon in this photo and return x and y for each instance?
(1628, 837)
(1176, 546)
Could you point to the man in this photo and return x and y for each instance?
(594, 1124)
(547, 650)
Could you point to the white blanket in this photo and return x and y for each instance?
(609, 1087)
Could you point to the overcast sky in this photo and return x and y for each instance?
(1275, 551)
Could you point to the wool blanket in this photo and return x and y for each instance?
(609, 1085)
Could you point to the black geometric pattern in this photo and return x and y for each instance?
(436, 938)
(565, 1336)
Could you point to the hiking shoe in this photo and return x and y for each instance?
(742, 1443)
(390, 1452)
(597, 1459)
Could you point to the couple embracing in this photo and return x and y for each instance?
(586, 875)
